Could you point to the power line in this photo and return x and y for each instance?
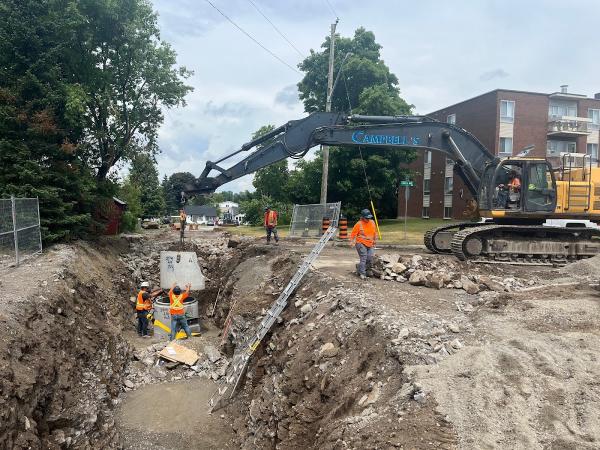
(277, 29)
(331, 8)
(249, 36)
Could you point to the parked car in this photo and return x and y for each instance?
(210, 223)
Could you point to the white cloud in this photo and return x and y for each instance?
(442, 53)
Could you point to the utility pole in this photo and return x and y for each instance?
(325, 148)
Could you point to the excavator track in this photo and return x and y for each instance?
(525, 244)
(432, 240)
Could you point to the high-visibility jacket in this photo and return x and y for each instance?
(141, 304)
(176, 302)
(182, 217)
(515, 184)
(271, 219)
(364, 232)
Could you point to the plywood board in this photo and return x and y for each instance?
(179, 353)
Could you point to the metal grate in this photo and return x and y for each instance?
(307, 220)
(20, 234)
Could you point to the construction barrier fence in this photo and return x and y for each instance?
(307, 220)
(20, 232)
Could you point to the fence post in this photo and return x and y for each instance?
(15, 232)
(39, 222)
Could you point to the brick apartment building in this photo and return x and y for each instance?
(505, 121)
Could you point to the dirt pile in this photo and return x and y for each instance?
(438, 273)
(61, 357)
(585, 268)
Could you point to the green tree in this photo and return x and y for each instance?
(131, 193)
(271, 180)
(373, 90)
(122, 75)
(37, 155)
(144, 175)
(173, 187)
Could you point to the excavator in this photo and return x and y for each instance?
(514, 215)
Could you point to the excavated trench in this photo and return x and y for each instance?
(74, 374)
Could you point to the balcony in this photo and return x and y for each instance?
(568, 126)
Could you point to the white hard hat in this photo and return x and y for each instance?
(145, 284)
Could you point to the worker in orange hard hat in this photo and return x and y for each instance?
(177, 310)
(364, 237)
(143, 304)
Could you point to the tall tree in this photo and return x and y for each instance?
(367, 86)
(144, 175)
(122, 74)
(271, 180)
(37, 155)
(174, 187)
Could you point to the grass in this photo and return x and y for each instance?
(392, 230)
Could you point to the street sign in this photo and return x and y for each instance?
(407, 183)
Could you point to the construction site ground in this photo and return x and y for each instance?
(358, 364)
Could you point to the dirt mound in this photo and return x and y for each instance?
(61, 358)
(585, 268)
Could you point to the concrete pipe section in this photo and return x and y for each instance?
(162, 317)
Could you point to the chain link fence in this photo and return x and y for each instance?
(307, 220)
(20, 233)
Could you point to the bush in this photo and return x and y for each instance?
(255, 211)
(128, 222)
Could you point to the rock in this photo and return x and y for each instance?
(456, 344)
(369, 375)
(306, 308)
(26, 423)
(417, 278)
(149, 361)
(158, 372)
(492, 285)
(454, 328)
(59, 436)
(212, 353)
(419, 396)
(298, 303)
(233, 242)
(469, 286)
(416, 260)
(401, 279)
(403, 334)
(128, 384)
(435, 280)
(399, 268)
(328, 350)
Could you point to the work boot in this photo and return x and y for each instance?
(363, 277)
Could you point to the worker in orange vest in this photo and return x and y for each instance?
(364, 237)
(271, 224)
(143, 304)
(177, 310)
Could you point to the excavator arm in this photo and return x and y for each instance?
(295, 138)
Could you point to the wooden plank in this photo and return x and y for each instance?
(179, 353)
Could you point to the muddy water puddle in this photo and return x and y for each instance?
(173, 416)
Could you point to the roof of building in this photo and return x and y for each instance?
(553, 94)
(201, 210)
(119, 201)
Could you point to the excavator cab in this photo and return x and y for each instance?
(518, 185)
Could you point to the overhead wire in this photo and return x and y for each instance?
(251, 37)
(277, 29)
(331, 8)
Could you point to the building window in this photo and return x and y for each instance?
(592, 149)
(555, 148)
(557, 110)
(594, 114)
(506, 147)
(448, 212)
(426, 187)
(425, 213)
(507, 111)
(427, 157)
(451, 119)
(448, 185)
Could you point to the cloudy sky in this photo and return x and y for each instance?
(442, 52)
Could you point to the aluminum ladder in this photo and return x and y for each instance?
(236, 370)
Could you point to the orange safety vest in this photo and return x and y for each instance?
(515, 184)
(361, 236)
(176, 302)
(271, 219)
(141, 304)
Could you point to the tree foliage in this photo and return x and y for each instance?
(122, 74)
(271, 180)
(144, 175)
(173, 187)
(37, 155)
(372, 90)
